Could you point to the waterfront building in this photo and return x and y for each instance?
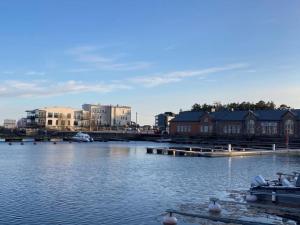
(21, 123)
(9, 124)
(36, 118)
(60, 118)
(162, 121)
(82, 120)
(91, 117)
(120, 116)
(55, 118)
(258, 123)
(108, 115)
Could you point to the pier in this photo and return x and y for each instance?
(220, 151)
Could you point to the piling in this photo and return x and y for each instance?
(159, 151)
(149, 150)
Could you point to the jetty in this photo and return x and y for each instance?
(220, 151)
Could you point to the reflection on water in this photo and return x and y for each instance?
(115, 183)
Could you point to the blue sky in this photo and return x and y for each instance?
(153, 55)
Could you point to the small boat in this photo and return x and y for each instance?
(82, 137)
(283, 191)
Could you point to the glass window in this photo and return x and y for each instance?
(49, 122)
(50, 115)
(251, 127)
(289, 126)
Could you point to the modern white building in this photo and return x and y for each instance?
(9, 124)
(108, 115)
(56, 118)
(120, 115)
(91, 117)
(82, 120)
(60, 118)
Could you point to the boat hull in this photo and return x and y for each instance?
(289, 196)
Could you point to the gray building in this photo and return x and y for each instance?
(162, 121)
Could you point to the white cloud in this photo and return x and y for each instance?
(44, 88)
(91, 56)
(35, 73)
(155, 80)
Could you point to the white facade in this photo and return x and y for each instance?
(10, 124)
(107, 115)
(60, 118)
(120, 115)
(82, 119)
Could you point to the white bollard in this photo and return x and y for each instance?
(169, 220)
(274, 147)
(229, 148)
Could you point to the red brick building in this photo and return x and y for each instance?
(274, 123)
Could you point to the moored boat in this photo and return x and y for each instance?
(82, 137)
(284, 191)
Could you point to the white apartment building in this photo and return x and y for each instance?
(9, 124)
(90, 117)
(56, 118)
(82, 120)
(60, 118)
(120, 115)
(108, 115)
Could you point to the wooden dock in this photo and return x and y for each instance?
(210, 152)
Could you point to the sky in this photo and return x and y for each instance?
(154, 55)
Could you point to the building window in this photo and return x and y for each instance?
(50, 122)
(69, 123)
(69, 115)
(269, 128)
(184, 128)
(289, 127)
(250, 127)
(232, 129)
(50, 115)
(56, 122)
(55, 115)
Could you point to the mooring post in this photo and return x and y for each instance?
(274, 147)
(229, 147)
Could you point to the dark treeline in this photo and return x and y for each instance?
(261, 105)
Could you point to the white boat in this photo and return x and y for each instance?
(285, 190)
(82, 137)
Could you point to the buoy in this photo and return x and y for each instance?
(22, 143)
(9, 143)
(34, 143)
(170, 220)
(251, 198)
(213, 206)
(54, 142)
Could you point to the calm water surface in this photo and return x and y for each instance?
(115, 183)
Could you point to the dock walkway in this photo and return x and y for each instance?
(217, 152)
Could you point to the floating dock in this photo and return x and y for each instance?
(218, 152)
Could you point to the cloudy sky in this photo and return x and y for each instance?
(154, 55)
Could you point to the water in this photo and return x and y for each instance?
(115, 183)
